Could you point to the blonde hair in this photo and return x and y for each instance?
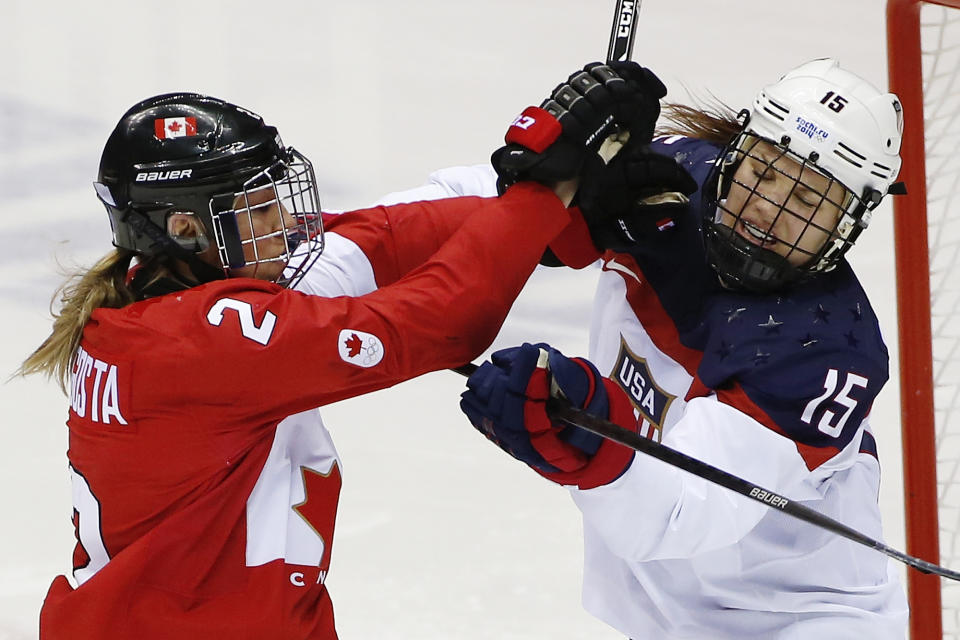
(102, 285)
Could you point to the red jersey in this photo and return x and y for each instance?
(205, 486)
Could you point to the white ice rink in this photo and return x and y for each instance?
(439, 534)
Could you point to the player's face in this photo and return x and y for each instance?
(777, 204)
(264, 224)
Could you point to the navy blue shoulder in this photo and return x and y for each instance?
(811, 361)
(696, 156)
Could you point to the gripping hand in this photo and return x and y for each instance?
(549, 143)
(638, 193)
(506, 401)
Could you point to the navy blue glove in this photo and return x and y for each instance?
(506, 401)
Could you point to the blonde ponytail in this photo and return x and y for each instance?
(103, 285)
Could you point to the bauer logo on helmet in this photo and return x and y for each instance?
(154, 176)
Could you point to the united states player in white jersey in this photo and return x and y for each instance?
(730, 327)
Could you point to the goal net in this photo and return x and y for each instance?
(924, 59)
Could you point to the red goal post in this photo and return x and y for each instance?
(923, 38)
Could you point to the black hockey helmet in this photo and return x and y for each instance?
(199, 155)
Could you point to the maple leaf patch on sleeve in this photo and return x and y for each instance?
(359, 348)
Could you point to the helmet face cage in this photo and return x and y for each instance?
(808, 221)
(190, 154)
(281, 201)
(791, 193)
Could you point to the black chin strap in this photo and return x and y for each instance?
(163, 244)
(146, 284)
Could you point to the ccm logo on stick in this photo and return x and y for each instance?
(626, 18)
(155, 176)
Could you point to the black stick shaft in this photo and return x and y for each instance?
(623, 31)
(561, 411)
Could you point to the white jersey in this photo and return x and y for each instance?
(669, 555)
(744, 384)
(476, 180)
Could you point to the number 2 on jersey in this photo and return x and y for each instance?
(842, 398)
(248, 326)
(91, 554)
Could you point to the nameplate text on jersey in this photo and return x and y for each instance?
(94, 389)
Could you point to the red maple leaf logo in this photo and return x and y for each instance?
(174, 126)
(319, 506)
(353, 345)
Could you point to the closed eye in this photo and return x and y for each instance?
(804, 201)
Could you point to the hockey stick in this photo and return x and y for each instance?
(560, 410)
(623, 31)
(622, 35)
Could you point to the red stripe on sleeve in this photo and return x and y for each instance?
(737, 398)
(651, 314)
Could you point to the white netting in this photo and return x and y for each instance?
(940, 32)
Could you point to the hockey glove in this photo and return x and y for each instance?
(506, 401)
(549, 143)
(638, 193)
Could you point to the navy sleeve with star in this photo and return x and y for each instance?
(808, 364)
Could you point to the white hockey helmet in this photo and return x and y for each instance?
(829, 120)
(830, 113)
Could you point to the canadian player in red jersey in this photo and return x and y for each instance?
(205, 485)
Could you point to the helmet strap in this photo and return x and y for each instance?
(162, 243)
(232, 253)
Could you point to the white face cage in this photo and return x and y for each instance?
(278, 211)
